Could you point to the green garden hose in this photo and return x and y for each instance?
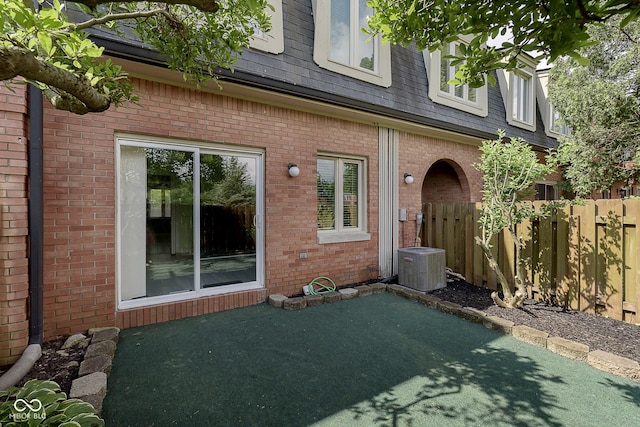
(323, 288)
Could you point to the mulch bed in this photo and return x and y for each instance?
(55, 364)
(598, 332)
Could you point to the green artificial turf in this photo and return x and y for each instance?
(374, 361)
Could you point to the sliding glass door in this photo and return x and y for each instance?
(227, 214)
(188, 221)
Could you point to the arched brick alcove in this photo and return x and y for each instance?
(445, 182)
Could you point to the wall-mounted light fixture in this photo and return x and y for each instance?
(294, 170)
(408, 178)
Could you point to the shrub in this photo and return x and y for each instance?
(41, 402)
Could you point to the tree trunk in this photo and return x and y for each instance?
(509, 300)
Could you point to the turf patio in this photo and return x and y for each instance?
(379, 360)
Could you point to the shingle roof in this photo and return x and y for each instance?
(295, 72)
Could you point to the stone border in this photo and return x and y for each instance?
(608, 362)
(91, 384)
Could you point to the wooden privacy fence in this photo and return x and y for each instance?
(583, 257)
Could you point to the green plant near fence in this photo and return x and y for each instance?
(583, 257)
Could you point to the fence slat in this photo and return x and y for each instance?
(567, 259)
(632, 257)
(478, 256)
(611, 246)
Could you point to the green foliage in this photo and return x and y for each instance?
(601, 103)
(194, 37)
(234, 188)
(510, 170)
(40, 402)
(551, 29)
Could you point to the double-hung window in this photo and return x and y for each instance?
(448, 72)
(521, 97)
(518, 88)
(341, 186)
(349, 45)
(441, 69)
(342, 47)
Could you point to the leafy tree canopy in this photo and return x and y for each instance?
(546, 28)
(49, 45)
(601, 104)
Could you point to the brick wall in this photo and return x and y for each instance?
(80, 198)
(417, 156)
(14, 264)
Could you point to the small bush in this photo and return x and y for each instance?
(42, 403)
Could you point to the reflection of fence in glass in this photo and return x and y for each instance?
(583, 257)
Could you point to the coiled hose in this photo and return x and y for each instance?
(323, 288)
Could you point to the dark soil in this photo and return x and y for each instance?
(55, 364)
(598, 332)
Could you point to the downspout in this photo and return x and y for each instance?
(35, 205)
(36, 223)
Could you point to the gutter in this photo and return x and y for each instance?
(35, 205)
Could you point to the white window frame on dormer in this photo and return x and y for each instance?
(522, 97)
(519, 114)
(381, 73)
(273, 40)
(451, 95)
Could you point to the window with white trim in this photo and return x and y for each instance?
(546, 191)
(341, 199)
(441, 70)
(342, 47)
(518, 89)
(522, 97)
(273, 40)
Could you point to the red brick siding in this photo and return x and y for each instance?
(80, 233)
(417, 155)
(14, 274)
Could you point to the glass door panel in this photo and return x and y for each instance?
(227, 220)
(156, 222)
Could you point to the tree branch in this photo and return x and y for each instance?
(210, 6)
(22, 62)
(119, 16)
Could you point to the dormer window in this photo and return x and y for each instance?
(441, 70)
(340, 45)
(522, 97)
(519, 93)
(448, 72)
(349, 45)
(272, 41)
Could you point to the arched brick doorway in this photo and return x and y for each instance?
(445, 182)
